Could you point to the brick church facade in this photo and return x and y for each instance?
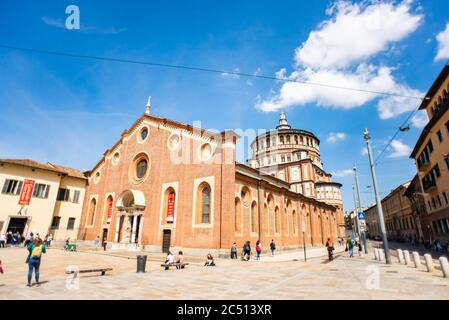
(166, 184)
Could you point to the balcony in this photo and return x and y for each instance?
(422, 167)
(429, 185)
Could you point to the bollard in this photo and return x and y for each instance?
(444, 267)
(381, 254)
(416, 259)
(400, 256)
(407, 258)
(376, 254)
(141, 263)
(429, 262)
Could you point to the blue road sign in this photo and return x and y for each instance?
(361, 215)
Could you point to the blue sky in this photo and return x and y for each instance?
(69, 110)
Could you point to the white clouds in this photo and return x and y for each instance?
(58, 23)
(338, 53)
(364, 151)
(231, 75)
(54, 22)
(334, 137)
(399, 149)
(356, 32)
(443, 44)
(420, 119)
(343, 173)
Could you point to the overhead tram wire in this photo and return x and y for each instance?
(398, 130)
(165, 65)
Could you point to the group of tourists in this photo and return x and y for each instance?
(246, 250)
(352, 243)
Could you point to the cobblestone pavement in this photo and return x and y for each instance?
(279, 277)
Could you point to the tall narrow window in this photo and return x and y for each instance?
(295, 222)
(204, 204)
(108, 213)
(276, 220)
(92, 208)
(254, 217)
(170, 198)
(238, 215)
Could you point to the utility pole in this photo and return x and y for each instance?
(362, 232)
(356, 217)
(380, 214)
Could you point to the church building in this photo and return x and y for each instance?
(166, 184)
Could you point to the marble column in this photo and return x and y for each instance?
(134, 229)
(117, 228)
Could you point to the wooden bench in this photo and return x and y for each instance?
(70, 247)
(176, 265)
(88, 270)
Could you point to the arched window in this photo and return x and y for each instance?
(276, 220)
(108, 210)
(204, 203)
(254, 217)
(288, 139)
(281, 138)
(92, 209)
(169, 205)
(296, 139)
(246, 196)
(238, 215)
(295, 222)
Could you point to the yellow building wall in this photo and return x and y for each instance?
(40, 211)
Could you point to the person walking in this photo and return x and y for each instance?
(247, 251)
(351, 247)
(272, 247)
(360, 248)
(234, 251)
(330, 249)
(258, 249)
(34, 260)
(2, 240)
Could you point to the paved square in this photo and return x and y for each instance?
(278, 277)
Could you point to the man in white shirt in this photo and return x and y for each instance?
(2, 240)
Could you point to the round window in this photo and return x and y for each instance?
(141, 168)
(144, 134)
(97, 177)
(116, 158)
(173, 141)
(205, 151)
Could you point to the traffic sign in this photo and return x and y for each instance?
(361, 215)
(362, 225)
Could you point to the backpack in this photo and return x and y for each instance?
(37, 252)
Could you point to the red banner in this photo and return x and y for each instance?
(109, 209)
(27, 192)
(171, 208)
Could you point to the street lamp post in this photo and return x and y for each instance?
(380, 215)
(362, 232)
(356, 217)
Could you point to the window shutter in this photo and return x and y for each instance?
(47, 190)
(5, 186)
(67, 195)
(19, 187)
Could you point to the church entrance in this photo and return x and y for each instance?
(130, 207)
(166, 239)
